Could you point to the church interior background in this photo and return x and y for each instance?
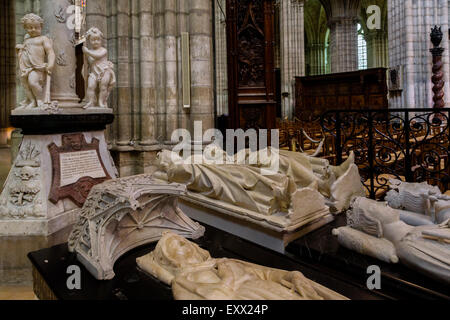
(253, 64)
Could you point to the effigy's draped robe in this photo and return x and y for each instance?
(246, 186)
(426, 255)
(194, 275)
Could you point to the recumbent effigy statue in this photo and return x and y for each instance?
(418, 203)
(375, 229)
(274, 197)
(194, 275)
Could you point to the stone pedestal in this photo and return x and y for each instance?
(60, 159)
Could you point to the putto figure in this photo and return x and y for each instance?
(101, 78)
(36, 62)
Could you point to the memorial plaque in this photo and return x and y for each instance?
(79, 164)
(76, 167)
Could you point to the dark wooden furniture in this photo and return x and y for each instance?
(365, 89)
(251, 73)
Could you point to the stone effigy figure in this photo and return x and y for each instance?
(418, 203)
(375, 229)
(194, 275)
(36, 61)
(101, 78)
(246, 186)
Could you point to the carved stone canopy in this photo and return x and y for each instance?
(125, 213)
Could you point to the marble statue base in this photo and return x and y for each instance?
(264, 233)
(42, 194)
(62, 111)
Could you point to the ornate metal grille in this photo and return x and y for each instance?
(407, 144)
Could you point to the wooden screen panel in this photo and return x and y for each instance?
(251, 72)
(365, 89)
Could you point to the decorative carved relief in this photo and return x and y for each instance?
(21, 198)
(26, 173)
(28, 156)
(251, 51)
(252, 118)
(73, 83)
(60, 14)
(23, 194)
(61, 59)
(122, 214)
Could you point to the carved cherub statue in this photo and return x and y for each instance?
(101, 78)
(194, 275)
(32, 56)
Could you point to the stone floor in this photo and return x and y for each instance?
(17, 293)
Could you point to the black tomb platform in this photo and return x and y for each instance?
(312, 255)
(321, 249)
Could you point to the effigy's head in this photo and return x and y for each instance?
(175, 251)
(174, 255)
(33, 24)
(95, 37)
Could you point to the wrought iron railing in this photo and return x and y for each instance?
(407, 144)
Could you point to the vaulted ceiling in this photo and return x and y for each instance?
(315, 22)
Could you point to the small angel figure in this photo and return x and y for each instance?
(33, 67)
(101, 79)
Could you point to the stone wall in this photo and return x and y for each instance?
(410, 23)
(7, 66)
(144, 43)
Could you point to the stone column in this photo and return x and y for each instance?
(170, 54)
(410, 23)
(343, 44)
(200, 29)
(183, 26)
(292, 51)
(160, 70)
(96, 16)
(317, 58)
(343, 19)
(147, 74)
(124, 101)
(56, 28)
(377, 48)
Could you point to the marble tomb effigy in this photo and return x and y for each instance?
(296, 199)
(375, 229)
(194, 275)
(418, 203)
